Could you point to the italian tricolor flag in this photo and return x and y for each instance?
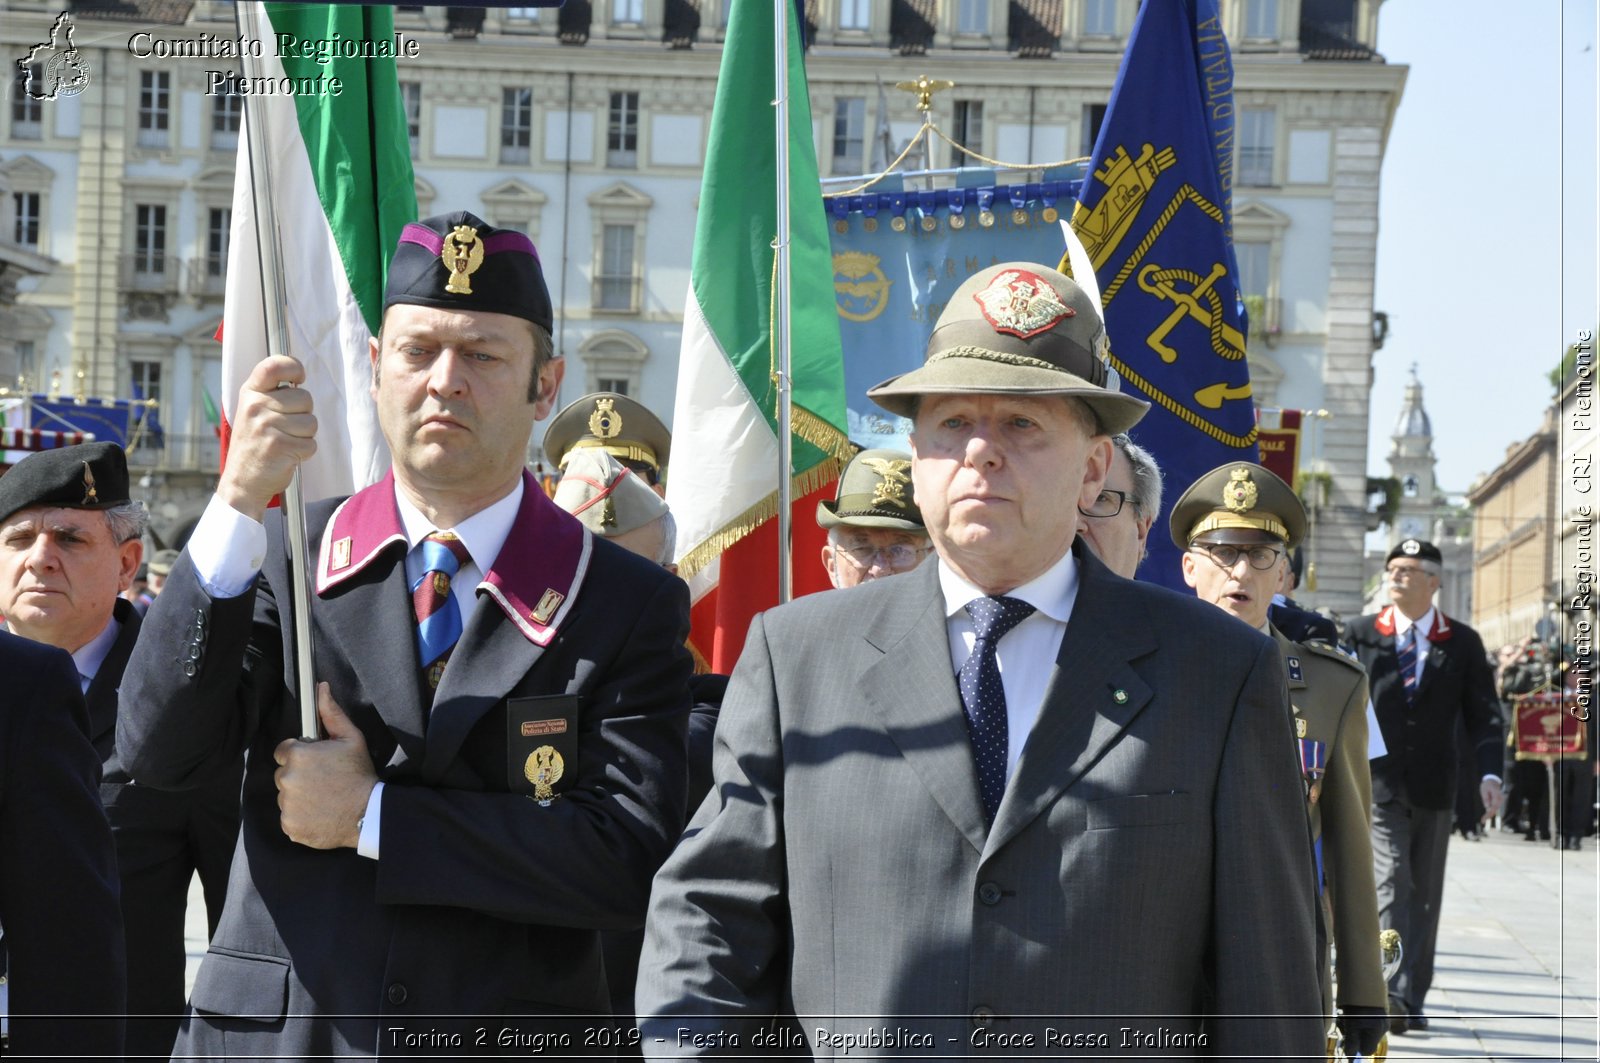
(723, 484)
(342, 188)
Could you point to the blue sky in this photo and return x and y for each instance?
(1487, 222)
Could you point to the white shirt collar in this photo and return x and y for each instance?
(92, 654)
(483, 533)
(1052, 592)
(1403, 623)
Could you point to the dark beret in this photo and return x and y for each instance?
(1420, 549)
(460, 262)
(87, 476)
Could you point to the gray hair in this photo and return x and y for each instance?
(127, 521)
(1146, 476)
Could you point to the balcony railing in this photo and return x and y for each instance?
(149, 272)
(173, 452)
(206, 276)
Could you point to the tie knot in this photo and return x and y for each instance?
(444, 552)
(993, 617)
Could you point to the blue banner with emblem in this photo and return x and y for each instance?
(897, 256)
(1154, 216)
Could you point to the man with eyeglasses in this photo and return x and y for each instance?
(874, 526)
(1428, 671)
(1117, 525)
(1237, 524)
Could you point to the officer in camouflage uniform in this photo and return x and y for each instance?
(1238, 523)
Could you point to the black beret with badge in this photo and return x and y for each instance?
(1420, 549)
(460, 262)
(1018, 328)
(622, 427)
(874, 492)
(86, 476)
(1238, 502)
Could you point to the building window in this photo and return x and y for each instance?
(147, 387)
(155, 108)
(972, 16)
(219, 225)
(1099, 18)
(226, 112)
(622, 131)
(516, 124)
(1256, 128)
(627, 12)
(411, 93)
(1254, 258)
(1094, 116)
(855, 14)
(27, 113)
(616, 268)
(617, 384)
(149, 238)
(968, 132)
(849, 133)
(27, 375)
(1261, 19)
(27, 229)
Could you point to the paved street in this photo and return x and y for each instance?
(1516, 973)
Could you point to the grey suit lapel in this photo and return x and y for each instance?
(912, 687)
(490, 659)
(375, 624)
(1093, 696)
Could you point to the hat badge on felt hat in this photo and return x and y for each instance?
(1022, 304)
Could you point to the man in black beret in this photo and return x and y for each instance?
(70, 543)
(1428, 673)
(503, 696)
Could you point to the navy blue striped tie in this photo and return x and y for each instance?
(1407, 652)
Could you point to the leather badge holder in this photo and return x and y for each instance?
(542, 745)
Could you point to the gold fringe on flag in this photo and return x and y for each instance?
(725, 537)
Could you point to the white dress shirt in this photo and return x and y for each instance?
(1027, 653)
(1424, 626)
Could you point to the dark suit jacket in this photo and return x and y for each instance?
(58, 874)
(1149, 858)
(484, 902)
(1457, 684)
(1302, 625)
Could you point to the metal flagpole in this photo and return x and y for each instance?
(780, 313)
(272, 289)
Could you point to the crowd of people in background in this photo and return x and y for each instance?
(990, 778)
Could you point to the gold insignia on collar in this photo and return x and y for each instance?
(88, 486)
(544, 768)
(549, 602)
(462, 255)
(1299, 727)
(605, 422)
(341, 553)
(1239, 493)
(894, 475)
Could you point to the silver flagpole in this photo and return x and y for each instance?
(272, 291)
(780, 314)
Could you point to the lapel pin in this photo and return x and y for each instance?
(341, 553)
(549, 602)
(1119, 696)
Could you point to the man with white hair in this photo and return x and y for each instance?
(873, 523)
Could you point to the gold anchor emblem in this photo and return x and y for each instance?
(544, 768)
(462, 255)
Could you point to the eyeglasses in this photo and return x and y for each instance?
(1108, 504)
(1261, 557)
(899, 555)
(1407, 572)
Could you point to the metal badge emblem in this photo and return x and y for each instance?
(1021, 304)
(88, 486)
(605, 422)
(1239, 493)
(462, 254)
(544, 768)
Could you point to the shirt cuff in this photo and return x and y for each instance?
(367, 844)
(227, 549)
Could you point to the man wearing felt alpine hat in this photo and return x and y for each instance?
(1237, 524)
(873, 524)
(1039, 744)
(499, 685)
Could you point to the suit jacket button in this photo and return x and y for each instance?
(982, 1016)
(189, 669)
(397, 994)
(989, 893)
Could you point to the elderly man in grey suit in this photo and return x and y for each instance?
(1008, 801)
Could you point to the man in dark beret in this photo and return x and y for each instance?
(1428, 674)
(503, 696)
(70, 543)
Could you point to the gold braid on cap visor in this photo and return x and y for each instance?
(626, 451)
(1223, 519)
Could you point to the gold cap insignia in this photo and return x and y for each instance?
(549, 602)
(1022, 304)
(462, 255)
(544, 768)
(605, 422)
(341, 553)
(894, 474)
(1239, 493)
(88, 486)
